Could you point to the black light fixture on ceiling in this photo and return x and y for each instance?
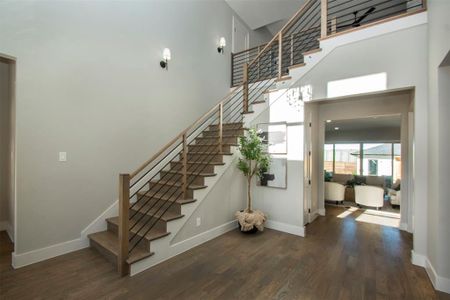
(222, 44)
(166, 57)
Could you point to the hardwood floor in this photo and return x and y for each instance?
(339, 259)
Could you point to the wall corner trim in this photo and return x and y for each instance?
(288, 228)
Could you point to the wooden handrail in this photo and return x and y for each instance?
(155, 156)
(286, 26)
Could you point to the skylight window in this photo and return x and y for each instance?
(357, 85)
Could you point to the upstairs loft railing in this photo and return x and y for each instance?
(144, 190)
(317, 19)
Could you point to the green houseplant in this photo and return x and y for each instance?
(254, 161)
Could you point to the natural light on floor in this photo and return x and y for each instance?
(373, 216)
(357, 85)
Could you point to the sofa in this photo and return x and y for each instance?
(368, 195)
(334, 191)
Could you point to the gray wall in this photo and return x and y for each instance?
(89, 83)
(439, 143)
(366, 135)
(226, 197)
(5, 138)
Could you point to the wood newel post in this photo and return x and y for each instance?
(245, 89)
(124, 205)
(323, 18)
(280, 54)
(220, 126)
(259, 50)
(184, 167)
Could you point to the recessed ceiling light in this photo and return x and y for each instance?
(336, 128)
(328, 121)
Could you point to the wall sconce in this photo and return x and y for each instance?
(166, 57)
(222, 44)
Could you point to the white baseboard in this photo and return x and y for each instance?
(321, 211)
(184, 246)
(288, 228)
(403, 226)
(6, 226)
(418, 259)
(439, 283)
(31, 257)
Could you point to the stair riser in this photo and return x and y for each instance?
(193, 167)
(155, 203)
(191, 179)
(208, 148)
(214, 141)
(104, 252)
(143, 244)
(204, 157)
(227, 126)
(235, 132)
(169, 190)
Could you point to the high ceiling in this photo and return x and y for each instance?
(371, 123)
(260, 13)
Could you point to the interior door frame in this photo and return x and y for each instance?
(11, 61)
(234, 21)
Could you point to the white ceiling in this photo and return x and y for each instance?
(371, 123)
(259, 13)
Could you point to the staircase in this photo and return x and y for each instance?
(156, 199)
(161, 202)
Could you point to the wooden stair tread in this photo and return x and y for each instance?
(157, 212)
(178, 184)
(216, 137)
(110, 242)
(215, 144)
(258, 102)
(155, 233)
(224, 129)
(215, 163)
(204, 174)
(164, 196)
(311, 51)
(206, 152)
(247, 113)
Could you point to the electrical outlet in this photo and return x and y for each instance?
(62, 156)
(199, 221)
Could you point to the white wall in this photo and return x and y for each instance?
(284, 207)
(5, 139)
(89, 83)
(439, 142)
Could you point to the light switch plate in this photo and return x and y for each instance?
(62, 156)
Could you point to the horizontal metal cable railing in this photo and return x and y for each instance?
(317, 19)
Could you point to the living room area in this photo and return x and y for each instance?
(364, 149)
(362, 162)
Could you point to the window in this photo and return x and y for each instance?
(357, 85)
(377, 159)
(346, 159)
(373, 159)
(328, 157)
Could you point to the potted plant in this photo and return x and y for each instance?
(254, 161)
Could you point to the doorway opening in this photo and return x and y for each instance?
(363, 156)
(7, 156)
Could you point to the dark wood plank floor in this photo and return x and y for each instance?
(339, 259)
